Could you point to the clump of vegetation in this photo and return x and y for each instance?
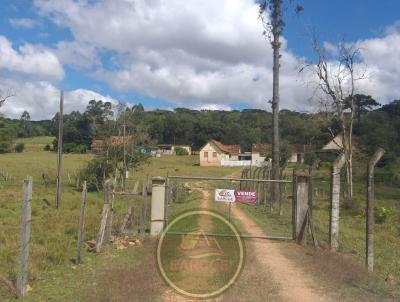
(6, 137)
(310, 158)
(74, 148)
(179, 192)
(19, 147)
(181, 151)
(95, 172)
(382, 214)
(47, 147)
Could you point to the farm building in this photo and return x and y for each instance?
(98, 144)
(215, 153)
(260, 152)
(333, 146)
(168, 149)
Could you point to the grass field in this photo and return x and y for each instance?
(53, 242)
(54, 232)
(36, 143)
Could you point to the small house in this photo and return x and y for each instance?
(214, 153)
(169, 149)
(297, 152)
(98, 145)
(334, 146)
(262, 152)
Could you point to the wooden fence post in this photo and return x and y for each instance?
(81, 223)
(110, 201)
(59, 151)
(335, 202)
(105, 228)
(22, 279)
(143, 212)
(130, 215)
(370, 221)
(300, 208)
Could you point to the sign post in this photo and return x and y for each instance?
(231, 196)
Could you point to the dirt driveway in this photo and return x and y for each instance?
(273, 271)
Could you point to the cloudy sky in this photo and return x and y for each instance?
(173, 53)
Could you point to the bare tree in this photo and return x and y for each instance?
(5, 95)
(336, 77)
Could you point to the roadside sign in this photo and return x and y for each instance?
(242, 196)
(225, 195)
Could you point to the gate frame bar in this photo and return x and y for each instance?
(231, 179)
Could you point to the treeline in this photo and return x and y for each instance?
(11, 129)
(374, 127)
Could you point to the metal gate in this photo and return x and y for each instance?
(176, 186)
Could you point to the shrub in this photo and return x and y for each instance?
(325, 164)
(19, 147)
(80, 149)
(181, 151)
(310, 158)
(74, 148)
(47, 148)
(94, 172)
(381, 214)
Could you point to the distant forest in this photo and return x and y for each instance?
(374, 127)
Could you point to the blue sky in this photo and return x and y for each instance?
(169, 53)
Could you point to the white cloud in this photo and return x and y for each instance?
(78, 55)
(195, 53)
(187, 52)
(30, 60)
(41, 99)
(382, 56)
(23, 22)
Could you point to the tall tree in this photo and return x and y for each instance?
(274, 26)
(363, 104)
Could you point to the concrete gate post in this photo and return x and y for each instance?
(301, 180)
(157, 206)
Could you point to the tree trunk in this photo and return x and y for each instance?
(276, 31)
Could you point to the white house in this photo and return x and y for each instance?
(215, 153)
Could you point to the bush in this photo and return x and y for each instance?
(19, 147)
(94, 172)
(74, 148)
(310, 158)
(181, 151)
(47, 148)
(381, 214)
(325, 164)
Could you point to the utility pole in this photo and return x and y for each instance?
(59, 154)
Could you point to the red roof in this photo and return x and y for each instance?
(267, 148)
(301, 148)
(231, 149)
(112, 140)
(261, 148)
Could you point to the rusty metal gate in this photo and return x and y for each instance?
(260, 185)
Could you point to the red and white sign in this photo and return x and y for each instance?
(245, 196)
(225, 195)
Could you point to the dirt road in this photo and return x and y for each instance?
(273, 271)
(283, 281)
